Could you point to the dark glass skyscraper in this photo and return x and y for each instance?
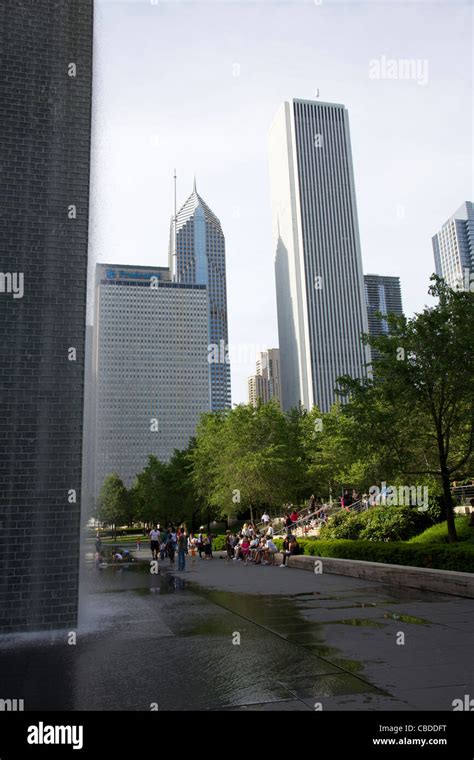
(382, 295)
(197, 257)
(46, 78)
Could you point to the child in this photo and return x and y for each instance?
(245, 548)
(192, 547)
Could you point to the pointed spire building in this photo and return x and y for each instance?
(199, 259)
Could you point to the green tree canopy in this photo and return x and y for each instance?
(113, 503)
(416, 414)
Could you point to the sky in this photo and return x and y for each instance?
(195, 86)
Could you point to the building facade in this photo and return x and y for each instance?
(45, 142)
(197, 257)
(318, 265)
(150, 367)
(258, 390)
(382, 295)
(265, 384)
(453, 248)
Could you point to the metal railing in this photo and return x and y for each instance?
(463, 494)
(303, 523)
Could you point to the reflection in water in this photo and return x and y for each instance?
(147, 638)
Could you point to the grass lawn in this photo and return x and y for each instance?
(438, 534)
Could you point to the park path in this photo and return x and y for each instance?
(225, 636)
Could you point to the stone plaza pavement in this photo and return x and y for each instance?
(355, 625)
(225, 636)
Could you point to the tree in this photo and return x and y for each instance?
(113, 502)
(248, 457)
(417, 410)
(185, 504)
(150, 492)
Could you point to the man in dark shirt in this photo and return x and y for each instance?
(182, 546)
(290, 548)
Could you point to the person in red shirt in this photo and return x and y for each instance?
(245, 548)
(294, 516)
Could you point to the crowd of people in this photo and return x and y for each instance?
(251, 544)
(165, 543)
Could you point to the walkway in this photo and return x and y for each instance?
(306, 641)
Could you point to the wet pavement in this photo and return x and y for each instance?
(229, 636)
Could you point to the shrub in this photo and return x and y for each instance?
(343, 525)
(392, 524)
(458, 557)
(218, 543)
(385, 523)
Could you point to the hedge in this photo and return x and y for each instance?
(439, 556)
(218, 543)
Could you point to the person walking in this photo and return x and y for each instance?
(208, 546)
(182, 548)
(154, 542)
(192, 541)
(229, 545)
(163, 544)
(200, 542)
(171, 546)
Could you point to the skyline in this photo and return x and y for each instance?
(409, 173)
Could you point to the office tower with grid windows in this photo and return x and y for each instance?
(318, 266)
(265, 384)
(150, 366)
(197, 256)
(45, 147)
(453, 248)
(382, 295)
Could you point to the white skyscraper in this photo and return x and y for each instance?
(318, 266)
(265, 384)
(453, 248)
(150, 367)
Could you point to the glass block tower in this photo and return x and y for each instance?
(197, 257)
(318, 266)
(45, 120)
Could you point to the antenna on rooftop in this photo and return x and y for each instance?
(174, 273)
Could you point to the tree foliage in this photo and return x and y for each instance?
(415, 416)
